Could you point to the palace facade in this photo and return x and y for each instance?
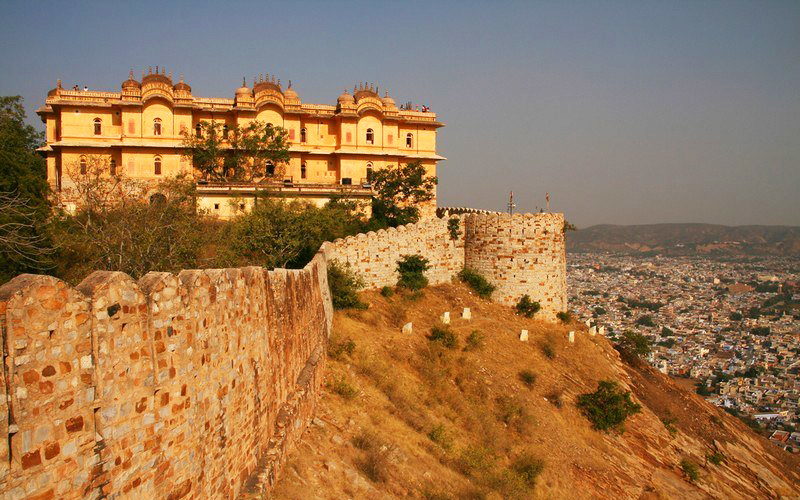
(140, 131)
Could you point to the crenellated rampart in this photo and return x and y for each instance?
(374, 255)
(187, 386)
(519, 254)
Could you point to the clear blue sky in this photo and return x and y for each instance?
(626, 112)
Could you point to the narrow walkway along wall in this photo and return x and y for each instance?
(188, 386)
(519, 254)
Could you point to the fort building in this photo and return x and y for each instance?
(140, 131)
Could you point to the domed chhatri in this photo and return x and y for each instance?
(346, 98)
(183, 86)
(244, 90)
(131, 82)
(334, 147)
(289, 93)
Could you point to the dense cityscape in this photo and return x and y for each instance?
(731, 327)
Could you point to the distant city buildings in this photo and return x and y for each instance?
(733, 327)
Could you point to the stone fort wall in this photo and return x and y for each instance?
(188, 386)
(519, 254)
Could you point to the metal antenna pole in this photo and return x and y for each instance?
(511, 204)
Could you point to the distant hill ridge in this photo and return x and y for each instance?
(687, 239)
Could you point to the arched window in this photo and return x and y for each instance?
(112, 167)
(157, 126)
(303, 171)
(83, 165)
(98, 126)
(157, 165)
(158, 199)
(303, 135)
(369, 171)
(270, 169)
(370, 136)
(409, 140)
(198, 131)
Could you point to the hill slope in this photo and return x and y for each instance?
(404, 417)
(687, 239)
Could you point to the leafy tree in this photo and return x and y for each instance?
(24, 246)
(736, 316)
(633, 346)
(608, 407)
(241, 153)
(130, 233)
(646, 320)
(277, 233)
(399, 191)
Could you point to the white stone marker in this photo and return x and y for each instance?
(601, 330)
(407, 328)
(572, 337)
(523, 336)
(467, 314)
(446, 318)
(593, 331)
(588, 322)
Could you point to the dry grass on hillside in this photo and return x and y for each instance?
(406, 417)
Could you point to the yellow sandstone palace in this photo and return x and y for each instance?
(140, 131)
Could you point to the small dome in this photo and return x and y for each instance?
(388, 101)
(244, 90)
(346, 98)
(290, 93)
(131, 82)
(181, 85)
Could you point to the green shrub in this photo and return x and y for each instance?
(387, 291)
(528, 468)
(337, 349)
(736, 316)
(669, 424)
(564, 316)
(344, 284)
(439, 436)
(527, 377)
(554, 398)
(477, 282)
(341, 386)
(444, 335)
(690, 469)
(453, 223)
(411, 269)
(526, 307)
(474, 341)
(715, 458)
(474, 459)
(608, 407)
(548, 349)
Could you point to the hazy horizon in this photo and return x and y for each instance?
(625, 112)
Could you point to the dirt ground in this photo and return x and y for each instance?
(403, 416)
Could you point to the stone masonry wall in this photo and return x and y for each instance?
(520, 254)
(192, 386)
(374, 255)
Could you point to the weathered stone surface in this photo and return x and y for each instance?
(166, 388)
